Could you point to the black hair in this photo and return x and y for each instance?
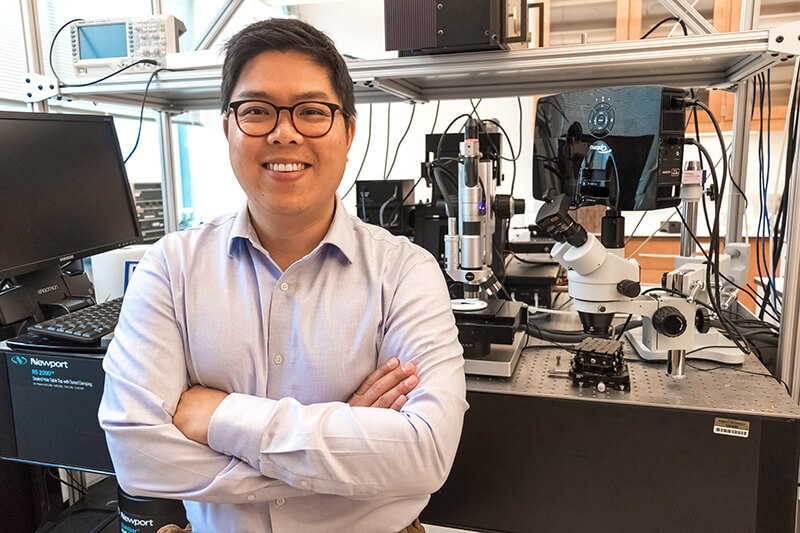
(285, 35)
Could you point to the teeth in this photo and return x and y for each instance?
(286, 167)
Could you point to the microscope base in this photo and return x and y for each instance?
(501, 361)
(719, 352)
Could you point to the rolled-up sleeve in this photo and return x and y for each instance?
(365, 452)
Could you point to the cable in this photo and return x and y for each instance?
(441, 137)
(625, 325)
(510, 147)
(403, 201)
(475, 107)
(435, 116)
(776, 378)
(388, 131)
(644, 213)
(363, 206)
(68, 484)
(519, 105)
(383, 208)
(749, 291)
(61, 83)
(397, 151)
(651, 236)
(141, 111)
(366, 151)
(713, 290)
(662, 21)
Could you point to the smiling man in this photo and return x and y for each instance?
(286, 368)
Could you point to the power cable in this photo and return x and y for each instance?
(363, 159)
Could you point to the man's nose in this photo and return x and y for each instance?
(284, 131)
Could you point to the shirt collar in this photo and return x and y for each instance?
(242, 229)
(340, 234)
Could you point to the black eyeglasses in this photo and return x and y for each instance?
(257, 118)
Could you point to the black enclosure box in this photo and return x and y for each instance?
(417, 27)
(617, 146)
(717, 451)
(386, 203)
(48, 409)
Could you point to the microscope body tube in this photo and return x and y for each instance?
(470, 219)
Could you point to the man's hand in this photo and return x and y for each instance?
(194, 412)
(386, 387)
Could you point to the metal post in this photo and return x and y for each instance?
(788, 352)
(168, 186)
(743, 114)
(218, 24)
(33, 46)
(690, 16)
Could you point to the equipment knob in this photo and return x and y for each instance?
(505, 206)
(502, 205)
(702, 320)
(669, 321)
(629, 288)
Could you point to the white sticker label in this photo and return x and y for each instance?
(692, 177)
(734, 428)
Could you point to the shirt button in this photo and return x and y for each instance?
(226, 452)
(250, 497)
(245, 459)
(278, 359)
(284, 286)
(304, 483)
(280, 501)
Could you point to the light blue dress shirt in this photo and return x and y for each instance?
(286, 452)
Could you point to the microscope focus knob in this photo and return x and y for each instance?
(505, 206)
(669, 321)
(702, 320)
(629, 288)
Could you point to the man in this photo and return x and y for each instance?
(230, 382)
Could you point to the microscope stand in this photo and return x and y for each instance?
(720, 352)
(501, 360)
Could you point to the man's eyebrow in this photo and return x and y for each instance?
(309, 95)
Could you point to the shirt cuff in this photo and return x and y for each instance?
(237, 426)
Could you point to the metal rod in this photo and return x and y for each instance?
(742, 116)
(788, 353)
(168, 186)
(688, 246)
(31, 34)
(676, 364)
(688, 14)
(218, 23)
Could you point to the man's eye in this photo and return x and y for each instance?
(314, 111)
(255, 111)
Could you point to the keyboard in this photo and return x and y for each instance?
(85, 325)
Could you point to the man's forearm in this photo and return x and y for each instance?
(335, 449)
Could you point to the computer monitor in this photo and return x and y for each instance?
(64, 195)
(617, 146)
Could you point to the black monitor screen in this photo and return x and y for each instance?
(64, 193)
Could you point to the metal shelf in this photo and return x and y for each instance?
(718, 60)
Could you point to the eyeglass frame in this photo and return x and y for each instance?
(234, 106)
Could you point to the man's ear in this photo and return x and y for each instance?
(225, 125)
(351, 132)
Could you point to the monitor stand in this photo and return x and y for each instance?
(42, 294)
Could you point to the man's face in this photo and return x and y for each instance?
(312, 168)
